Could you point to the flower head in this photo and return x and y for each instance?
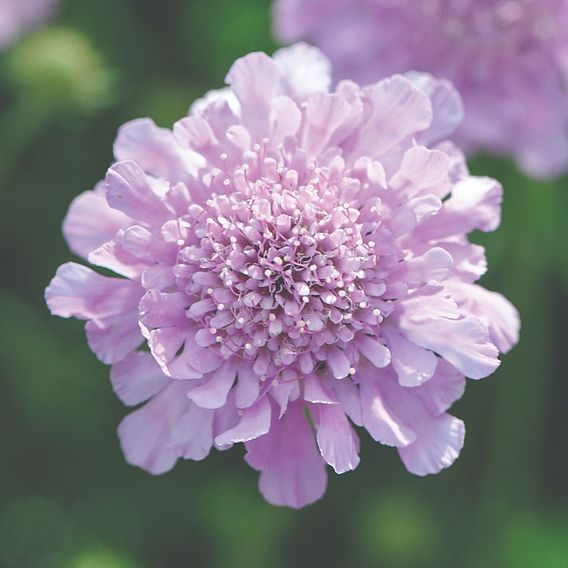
(19, 16)
(508, 59)
(295, 260)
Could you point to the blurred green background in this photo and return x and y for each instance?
(68, 499)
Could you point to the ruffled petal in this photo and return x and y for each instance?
(90, 222)
(191, 436)
(325, 114)
(213, 391)
(436, 438)
(171, 337)
(445, 387)
(137, 378)
(305, 70)
(447, 107)
(248, 386)
(399, 110)
(129, 190)
(462, 340)
(254, 422)
(413, 364)
(380, 418)
(113, 338)
(146, 434)
(292, 472)
(422, 171)
(337, 441)
(493, 309)
(77, 291)
(155, 150)
(438, 446)
(255, 80)
(475, 204)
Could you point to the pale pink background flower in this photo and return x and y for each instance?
(19, 16)
(289, 252)
(508, 59)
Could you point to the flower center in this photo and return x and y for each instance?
(280, 269)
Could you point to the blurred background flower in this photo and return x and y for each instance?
(63, 475)
(508, 58)
(19, 16)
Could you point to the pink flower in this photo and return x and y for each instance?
(19, 16)
(295, 260)
(508, 59)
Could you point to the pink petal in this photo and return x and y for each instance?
(305, 70)
(475, 203)
(226, 418)
(438, 446)
(435, 264)
(113, 338)
(422, 170)
(443, 389)
(337, 441)
(283, 393)
(493, 309)
(192, 434)
(129, 190)
(463, 342)
(375, 351)
(255, 80)
(338, 363)
(159, 309)
(436, 438)
(155, 150)
(248, 386)
(90, 222)
(111, 255)
(413, 364)
(196, 133)
(145, 434)
(285, 120)
(325, 113)
(447, 106)
(78, 291)
(379, 417)
(255, 422)
(399, 110)
(137, 378)
(316, 392)
(212, 393)
(292, 471)
(347, 394)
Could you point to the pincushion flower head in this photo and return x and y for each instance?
(290, 263)
(508, 59)
(19, 16)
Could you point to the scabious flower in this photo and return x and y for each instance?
(290, 262)
(19, 16)
(508, 59)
